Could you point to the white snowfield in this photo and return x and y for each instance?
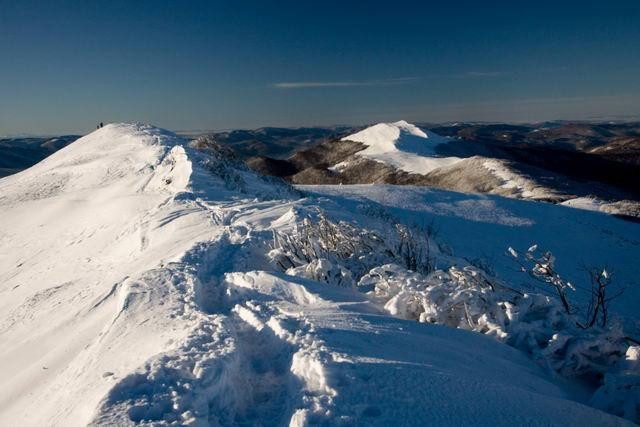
(402, 145)
(136, 287)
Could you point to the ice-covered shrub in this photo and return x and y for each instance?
(461, 298)
(353, 249)
(323, 270)
(541, 267)
(340, 244)
(413, 248)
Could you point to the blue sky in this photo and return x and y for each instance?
(182, 65)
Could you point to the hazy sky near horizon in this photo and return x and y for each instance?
(187, 65)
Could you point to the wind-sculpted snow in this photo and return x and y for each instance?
(145, 280)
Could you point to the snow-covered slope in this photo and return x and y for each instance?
(137, 285)
(481, 227)
(402, 145)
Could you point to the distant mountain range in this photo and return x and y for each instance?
(591, 165)
(554, 162)
(18, 153)
(274, 142)
(621, 141)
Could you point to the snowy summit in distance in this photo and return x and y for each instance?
(402, 145)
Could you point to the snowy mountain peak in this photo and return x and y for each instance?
(405, 126)
(403, 145)
(124, 156)
(133, 158)
(392, 136)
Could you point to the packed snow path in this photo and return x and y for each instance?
(136, 288)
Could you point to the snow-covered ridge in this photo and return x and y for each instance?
(85, 240)
(113, 153)
(522, 186)
(137, 285)
(403, 145)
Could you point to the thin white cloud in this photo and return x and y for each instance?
(480, 74)
(382, 82)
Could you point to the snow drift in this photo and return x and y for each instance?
(143, 281)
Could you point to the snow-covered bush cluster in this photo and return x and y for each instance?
(397, 272)
(323, 270)
(318, 244)
(466, 298)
